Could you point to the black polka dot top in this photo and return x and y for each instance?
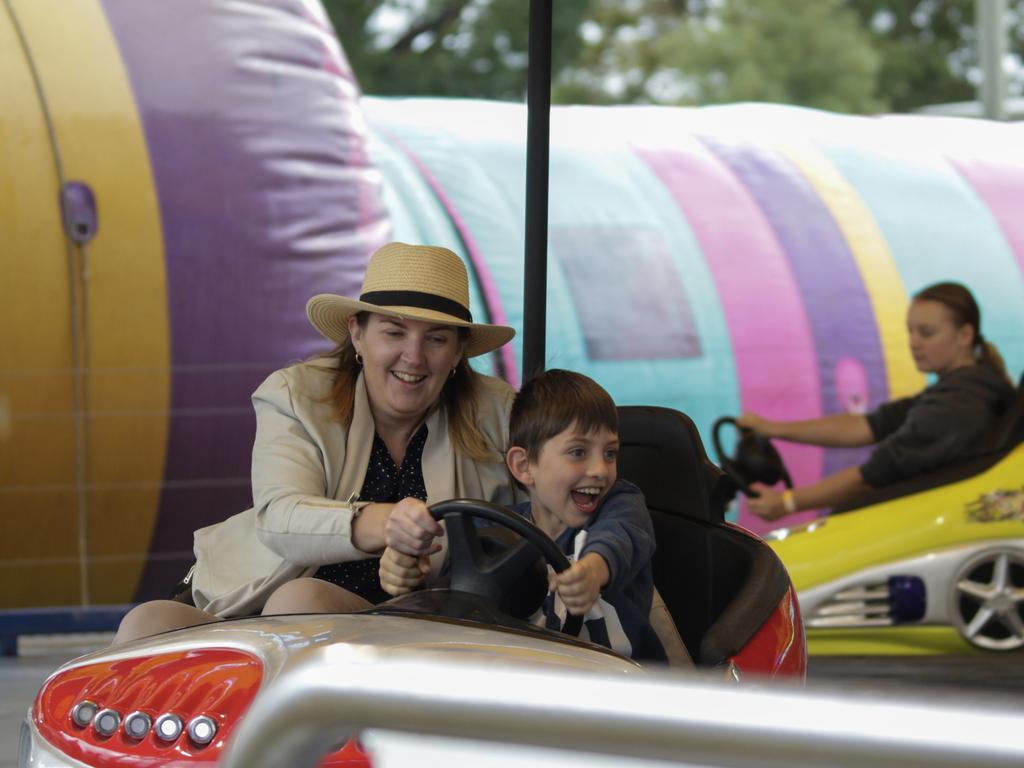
(384, 483)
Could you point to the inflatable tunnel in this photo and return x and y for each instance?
(720, 259)
(176, 179)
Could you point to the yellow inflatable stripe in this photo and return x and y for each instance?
(878, 270)
(124, 329)
(37, 436)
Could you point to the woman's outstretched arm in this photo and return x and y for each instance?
(840, 430)
(839, 488)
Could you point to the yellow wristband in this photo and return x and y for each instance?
(789, 501)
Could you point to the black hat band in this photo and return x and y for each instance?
(417, 299)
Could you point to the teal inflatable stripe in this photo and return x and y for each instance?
(939, 229)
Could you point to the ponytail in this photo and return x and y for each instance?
(985, 353)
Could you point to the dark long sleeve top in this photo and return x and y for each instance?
(622, 533)
(949, 421)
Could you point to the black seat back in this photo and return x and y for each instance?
(719, 584)
(661, 451)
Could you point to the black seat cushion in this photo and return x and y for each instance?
(748, 582)
(719, 584)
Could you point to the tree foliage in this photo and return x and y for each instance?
(844, 55)
(469, 48)
(927, 48)
(809, 52)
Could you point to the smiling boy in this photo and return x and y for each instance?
(564, 444)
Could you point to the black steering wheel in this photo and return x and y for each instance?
(755, 459)
(475, 571)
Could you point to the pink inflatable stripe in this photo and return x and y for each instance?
(772, 343)
(485, 280)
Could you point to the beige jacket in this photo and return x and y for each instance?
(307, 470)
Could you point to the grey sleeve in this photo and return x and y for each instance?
(623, 535)
(934, 432)
(889, 417)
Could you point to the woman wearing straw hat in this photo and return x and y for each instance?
(354, 442)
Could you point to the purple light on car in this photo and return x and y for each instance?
(907, 598)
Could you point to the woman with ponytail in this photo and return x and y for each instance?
(949, 421)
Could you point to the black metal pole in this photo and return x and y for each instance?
(535, 262)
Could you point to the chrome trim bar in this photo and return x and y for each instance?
(846, 622)
(662, 716)
(856, 609)
(864, 593)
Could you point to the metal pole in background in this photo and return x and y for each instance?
(990, 21)
(535, 262)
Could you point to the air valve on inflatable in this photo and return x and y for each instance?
(755, 459)
(78, 206)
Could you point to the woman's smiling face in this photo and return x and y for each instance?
(405, 365)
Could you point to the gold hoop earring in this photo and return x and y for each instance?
(359, 359)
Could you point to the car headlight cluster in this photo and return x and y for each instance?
(137, 725)
(175, 708)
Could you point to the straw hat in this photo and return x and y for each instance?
(415, 282)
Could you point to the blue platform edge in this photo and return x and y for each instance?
(56, 620)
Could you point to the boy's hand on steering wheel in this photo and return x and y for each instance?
(411, 529)
(767, 504)
(401, 573)
(580, 585)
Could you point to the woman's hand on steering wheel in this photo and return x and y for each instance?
(750, 420)
(411, 529)
(401, 573)
(767, 504)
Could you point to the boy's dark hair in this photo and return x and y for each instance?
(551, 402)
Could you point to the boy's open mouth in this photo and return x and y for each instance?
(586, 499)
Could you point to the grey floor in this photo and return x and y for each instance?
(23, 675)
(987, 679)
(977, 678)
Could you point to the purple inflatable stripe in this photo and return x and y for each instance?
(756, 304)
(837, 305)
(258, 153)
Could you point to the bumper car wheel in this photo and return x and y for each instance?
(988, 600)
